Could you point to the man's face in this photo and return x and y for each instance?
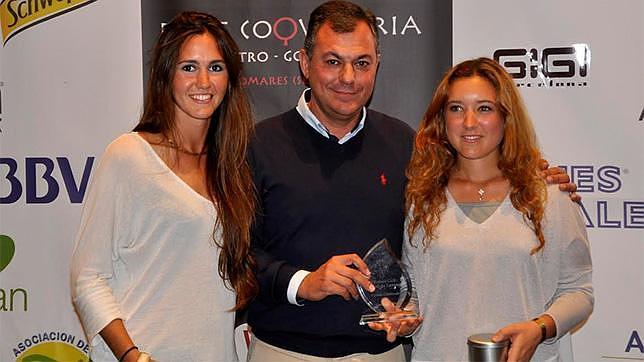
(341, 72)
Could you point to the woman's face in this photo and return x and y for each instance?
(200, 80)
(473, 120)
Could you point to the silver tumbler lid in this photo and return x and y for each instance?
(484, 340)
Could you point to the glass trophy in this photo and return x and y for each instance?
(391, 280)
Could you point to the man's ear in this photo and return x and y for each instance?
(304, 63)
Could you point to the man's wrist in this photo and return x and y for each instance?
(294, 286)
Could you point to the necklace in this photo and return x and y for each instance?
(484, 190)
(481, 193)
(489, 188)
(481, 188)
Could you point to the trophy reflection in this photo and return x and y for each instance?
(391, 280)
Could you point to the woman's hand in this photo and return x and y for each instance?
(524, 338)
(394, 326)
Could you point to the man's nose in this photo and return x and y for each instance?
(347, 74)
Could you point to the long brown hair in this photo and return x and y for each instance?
(228, 174)
(433, 156)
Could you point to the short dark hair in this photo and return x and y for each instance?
(342, 16)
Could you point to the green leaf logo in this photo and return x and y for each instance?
(7, 249)
(38, 358)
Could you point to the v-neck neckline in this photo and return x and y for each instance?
(460, 211)
(159, 160)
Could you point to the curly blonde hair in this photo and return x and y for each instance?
(433, 157)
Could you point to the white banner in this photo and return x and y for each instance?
(580, 67)
(71, 81)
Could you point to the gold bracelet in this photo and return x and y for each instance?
(541, 325)
(144, 357)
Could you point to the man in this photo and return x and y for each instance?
(330, 176)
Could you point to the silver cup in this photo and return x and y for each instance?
(482, 349)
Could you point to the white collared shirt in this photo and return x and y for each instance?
(304, 111)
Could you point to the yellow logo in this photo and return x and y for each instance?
(18, 15)
(53, 346)
(53, 352)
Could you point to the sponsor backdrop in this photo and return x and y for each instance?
(71, 79)
(70, 82)
(415, 38)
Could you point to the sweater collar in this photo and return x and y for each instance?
(308, 116)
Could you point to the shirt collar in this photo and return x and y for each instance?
(308, 116)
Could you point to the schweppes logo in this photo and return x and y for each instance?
(18, 15)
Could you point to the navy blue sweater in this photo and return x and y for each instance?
(318, 199)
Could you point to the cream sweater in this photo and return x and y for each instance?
(144, 253)
(476, 278)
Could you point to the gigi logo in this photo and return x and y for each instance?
(7, 250)
(18, 15)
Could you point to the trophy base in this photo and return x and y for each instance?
(388, 316)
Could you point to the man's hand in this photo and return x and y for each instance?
(395, 327)
(557, 175)
(339, 275)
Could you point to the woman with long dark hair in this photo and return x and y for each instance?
(162, 254)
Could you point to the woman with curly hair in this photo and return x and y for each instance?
(162, 254)
(493, 248)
